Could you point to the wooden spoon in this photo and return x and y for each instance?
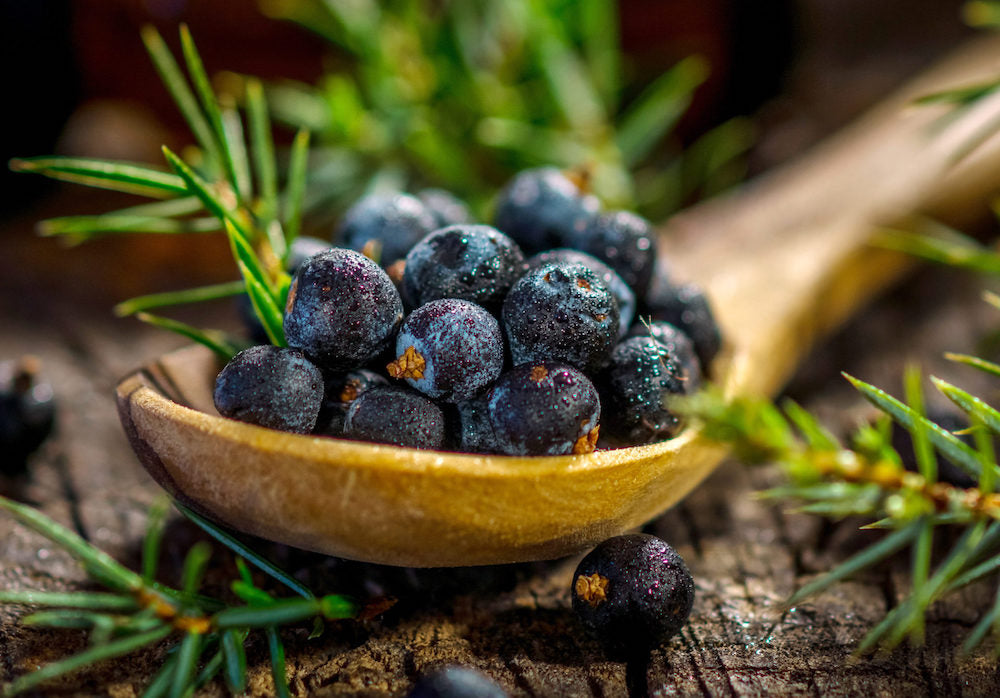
(784, 260)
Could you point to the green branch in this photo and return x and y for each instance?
(208, 636)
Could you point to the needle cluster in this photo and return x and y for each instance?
(866, 478)
(462, 96)
(206, 636)
(228, 183)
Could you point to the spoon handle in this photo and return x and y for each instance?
(788, 257)
(784, 259)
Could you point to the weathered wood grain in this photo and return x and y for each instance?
(514, 622)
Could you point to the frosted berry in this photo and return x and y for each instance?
(446, 208)
(272, 387)
(636, 387)
(623, 240)
(632, 593)
(476, 263)
(678, 344)
(623, 294)
(561, 312)
(540, 207)
(449, 349)
(398, 416)
(472, 430)
(544, 408)
(686, 307)
(385, 226)
(340, 390)
(342, 310)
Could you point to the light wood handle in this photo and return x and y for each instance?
(787, 258)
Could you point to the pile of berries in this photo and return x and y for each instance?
(552, 331)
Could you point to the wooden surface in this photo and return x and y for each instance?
(513, 622)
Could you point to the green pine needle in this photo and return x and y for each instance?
(173, 79)
(970, 404)
(118, 176)
(944, 246)
(220, 343)
(657, 110)
(877, 552)
(86, 658)
(79, 229)
(212, 114)
(186, 666)
(245, 552)
(295, 191)
(262, 148)
(950, 445)
(234, 661)
(975, 362)
(208, 637)
(905, 508)
(172, 298)
(96, 562)
(199, 187)
(222, 185)
(278, 670)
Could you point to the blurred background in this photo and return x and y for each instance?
(666, 101)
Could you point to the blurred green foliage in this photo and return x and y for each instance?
(461, 94)
(982, 13)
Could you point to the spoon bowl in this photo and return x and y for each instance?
(784, 260)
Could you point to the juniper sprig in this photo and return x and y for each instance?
(228, 183)
(207, 635)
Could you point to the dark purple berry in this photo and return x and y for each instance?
(561, 312)
(342, 310)
(455, 682)
(686, 307)
(27, 412)
(398, 416)
(302, 248)
(340, 390)
(677, 343)
(386, 226)
(635, 387)
(446, 208)
(272, 387)
(449, 349)
(541, 207)
(546, 409)
(625, 241)
(632, 593)
(473, 429)
(476, 263)
(624, 295)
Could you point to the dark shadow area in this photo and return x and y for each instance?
(42, 85)
(538, 634)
